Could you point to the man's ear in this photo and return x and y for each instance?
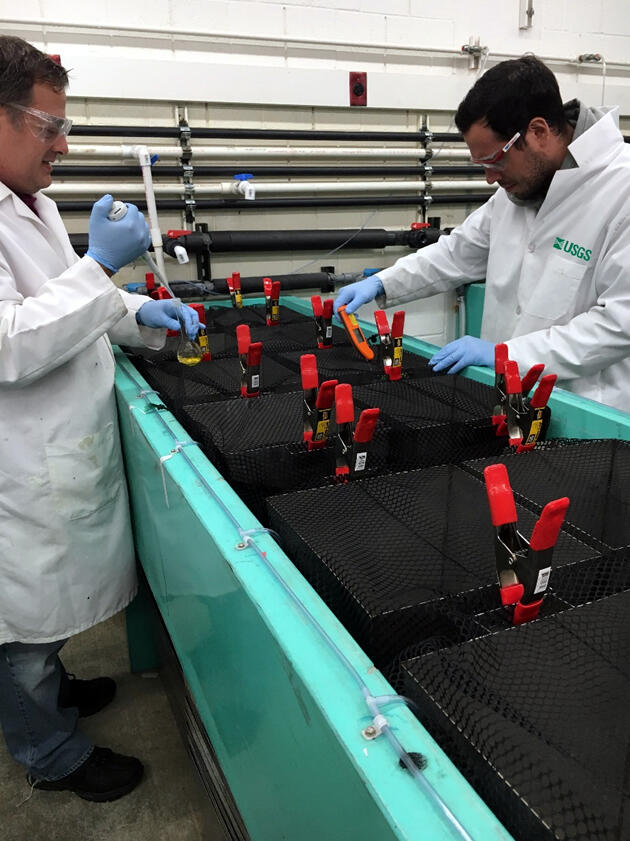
(539, 130)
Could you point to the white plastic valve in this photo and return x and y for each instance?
(181, 254)
(246, 189)
(118, 211)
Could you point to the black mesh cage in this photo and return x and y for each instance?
(434, 419)
(403, 557)
(258, 446)
(536, 719)
(595, 475)
(533, 715)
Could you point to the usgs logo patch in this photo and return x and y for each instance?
(573, 249)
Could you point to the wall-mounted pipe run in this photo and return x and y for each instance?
(239, 241)
(251, 153)
(226, 188)
(224, 242)
(204, 171)
(288, 282)
(226, 205)
(421, 136)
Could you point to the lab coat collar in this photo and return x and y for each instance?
(598, 144)
(21, 209)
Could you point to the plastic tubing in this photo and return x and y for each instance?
(144, 159)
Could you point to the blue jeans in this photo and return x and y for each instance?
(39, 734)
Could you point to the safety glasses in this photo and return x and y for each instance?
(496, 161)
(45, 127)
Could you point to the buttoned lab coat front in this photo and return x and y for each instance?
(66, 551)
(557, 281)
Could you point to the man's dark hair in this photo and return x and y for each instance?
(511, 94)
(21, 66)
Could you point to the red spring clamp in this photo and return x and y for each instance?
(149, 280)
(514, 413)
(351, 445)
(234, 288)
(523, 567)
(536, 412)
(249, 356)
(272, 300)
(202, 336)
(323, 313)
(318, 403)
(390, 348)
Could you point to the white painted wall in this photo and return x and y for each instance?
(275, 64)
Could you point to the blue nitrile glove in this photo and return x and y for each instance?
(354, 295)
(164, 314)
(462, 352)
(114, 244)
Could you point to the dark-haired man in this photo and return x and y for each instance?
(66, 552)
(553, 243)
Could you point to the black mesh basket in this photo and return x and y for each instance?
(536, 717)
(257, 445)
(595, 475)
(402, 557)
(434, 421)
(219, 379)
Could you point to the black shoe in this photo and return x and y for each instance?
(89, 696)
(103, 776)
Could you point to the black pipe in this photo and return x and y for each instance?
(281, 204)
(223, 242)
(262, 134)
(85, 170)
(323, 280)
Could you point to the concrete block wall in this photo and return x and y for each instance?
(275, 64)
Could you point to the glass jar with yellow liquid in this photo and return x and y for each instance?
(189, 352)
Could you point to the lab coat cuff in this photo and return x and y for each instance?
(129, 332)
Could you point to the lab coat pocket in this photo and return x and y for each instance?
(555, 293)
(85, 474)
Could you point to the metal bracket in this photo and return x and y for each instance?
(474, 51)
(525, 14)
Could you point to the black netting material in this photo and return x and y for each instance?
(536, 719)
(389, 554)
(406, 561)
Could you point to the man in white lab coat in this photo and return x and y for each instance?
(66, 551)
(553, 243)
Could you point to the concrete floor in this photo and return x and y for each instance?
(168, 805)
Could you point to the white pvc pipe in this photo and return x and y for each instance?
(244, 153)
(227, 188)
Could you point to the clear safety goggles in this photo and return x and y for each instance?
(496, 161)
(45, 127)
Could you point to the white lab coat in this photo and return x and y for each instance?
(66, 550)
(569, 309)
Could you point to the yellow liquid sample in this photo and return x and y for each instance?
(189, 360)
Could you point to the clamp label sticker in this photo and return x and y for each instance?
(360, 461)
(543, 580)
